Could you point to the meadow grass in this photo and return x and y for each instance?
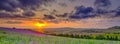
(25, 39)
(17, 38)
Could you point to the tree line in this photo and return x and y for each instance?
(92, 36)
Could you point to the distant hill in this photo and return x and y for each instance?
(21, 31)
(115, 27)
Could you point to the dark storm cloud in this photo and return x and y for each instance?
(101, 9)
(11, 5)
(29, 14)
(102, 6)
(7, 7)
(10, 15)
(83, 12)
(89, 12)
(102, 3)
(81, 17)
(118, 12)
(49, 17)
(63, 15)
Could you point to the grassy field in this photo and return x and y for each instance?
(7, 37)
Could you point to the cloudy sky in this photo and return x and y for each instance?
(60, 13)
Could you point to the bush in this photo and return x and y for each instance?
(4, 32)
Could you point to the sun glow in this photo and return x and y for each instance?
(40, 24)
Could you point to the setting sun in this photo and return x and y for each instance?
(40, 24)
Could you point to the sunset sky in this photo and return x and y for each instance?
(60, 13)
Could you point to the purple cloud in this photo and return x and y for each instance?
(11, 5)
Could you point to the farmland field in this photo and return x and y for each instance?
(7, 37)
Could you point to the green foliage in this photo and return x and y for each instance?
(25, 39)
(115, 27)
(93, 36)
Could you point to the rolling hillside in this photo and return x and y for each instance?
(14, 36)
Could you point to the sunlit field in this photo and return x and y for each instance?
(7, 37)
